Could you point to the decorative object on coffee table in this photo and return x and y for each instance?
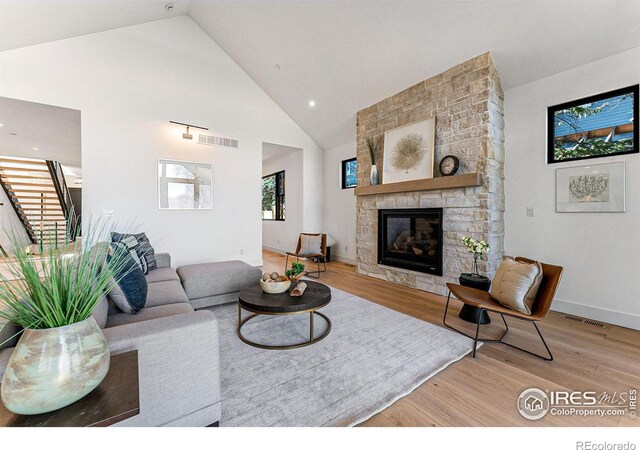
(274, 283)
(470, 313)
(295, 272)
(299, 289)
(374, 151)
(116, 398)
(62, 355)
(478, 248)
(254, 300)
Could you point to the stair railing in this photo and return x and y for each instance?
(64, 196)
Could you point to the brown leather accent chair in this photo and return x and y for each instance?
(319, 257)
(551, 276)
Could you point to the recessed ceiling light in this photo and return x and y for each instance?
(277, 66)
(35, 148)
(13, 134)
(312, 103)
(169, 7)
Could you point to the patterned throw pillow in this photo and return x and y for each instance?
(130, 293)
(140, 245)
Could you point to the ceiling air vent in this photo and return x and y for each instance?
(206, 139)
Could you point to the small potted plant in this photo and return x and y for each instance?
(296, 272)
(478, 248)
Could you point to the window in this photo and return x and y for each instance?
(273, 196)
(594, 127)
(349, 173)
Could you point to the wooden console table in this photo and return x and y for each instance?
(117, 398)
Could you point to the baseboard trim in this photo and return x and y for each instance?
(255, 262)
(275, 250)
(591, 312)
(344, 259)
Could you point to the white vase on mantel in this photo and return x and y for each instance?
(373, 178)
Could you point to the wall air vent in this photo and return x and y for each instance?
(206, 139)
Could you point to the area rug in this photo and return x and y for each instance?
(372, 357)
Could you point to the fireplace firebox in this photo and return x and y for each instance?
(411, 239)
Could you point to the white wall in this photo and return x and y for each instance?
(340, 204)
(282, 236)
(599, 251)
(128, 83)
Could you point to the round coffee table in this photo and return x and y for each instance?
(254, 300)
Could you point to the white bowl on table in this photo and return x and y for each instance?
(275, 287)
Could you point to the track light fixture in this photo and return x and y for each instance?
(188, 135)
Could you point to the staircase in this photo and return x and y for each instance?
(38, 193)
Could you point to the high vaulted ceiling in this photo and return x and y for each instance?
(347, 55)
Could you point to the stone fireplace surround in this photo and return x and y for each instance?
(467, 101)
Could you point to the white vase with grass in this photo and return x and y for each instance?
(374, 151)
(62, 354)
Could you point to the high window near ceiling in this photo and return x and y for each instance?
(273, 205)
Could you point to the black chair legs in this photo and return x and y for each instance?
(500, 339)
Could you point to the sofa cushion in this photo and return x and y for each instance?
(130, 292)
(165, 293)
(164, 274)
(204, 280)
(149, 314)
(516, 284)
(100, 312)
(143, 248)
(9, 333)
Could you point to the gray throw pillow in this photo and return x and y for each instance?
(310, 245)
(139, 244)
(130, 293)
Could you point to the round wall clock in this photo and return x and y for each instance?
(449, 165)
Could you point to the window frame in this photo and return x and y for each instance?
(280, 182)
(343, 176)
(551, 111)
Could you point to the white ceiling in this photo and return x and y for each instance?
(54, 131)
(348, 55)
(30, 22)
(270, 151)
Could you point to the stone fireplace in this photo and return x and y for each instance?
(467, 102)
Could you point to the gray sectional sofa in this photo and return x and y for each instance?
(178, 347)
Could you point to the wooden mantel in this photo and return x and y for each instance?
(428, 184)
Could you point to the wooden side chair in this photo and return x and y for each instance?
(551, 276)
(319, 257)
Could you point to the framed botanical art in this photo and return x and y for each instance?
(593, 188)
(594, 127)
(184, 185)
(408, 152)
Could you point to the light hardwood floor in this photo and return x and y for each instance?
(483, 391)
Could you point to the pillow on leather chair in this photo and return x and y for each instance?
(516, 284)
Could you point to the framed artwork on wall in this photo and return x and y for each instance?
(184, 185)
(408, 152)
(593, 188)
(594, 127)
